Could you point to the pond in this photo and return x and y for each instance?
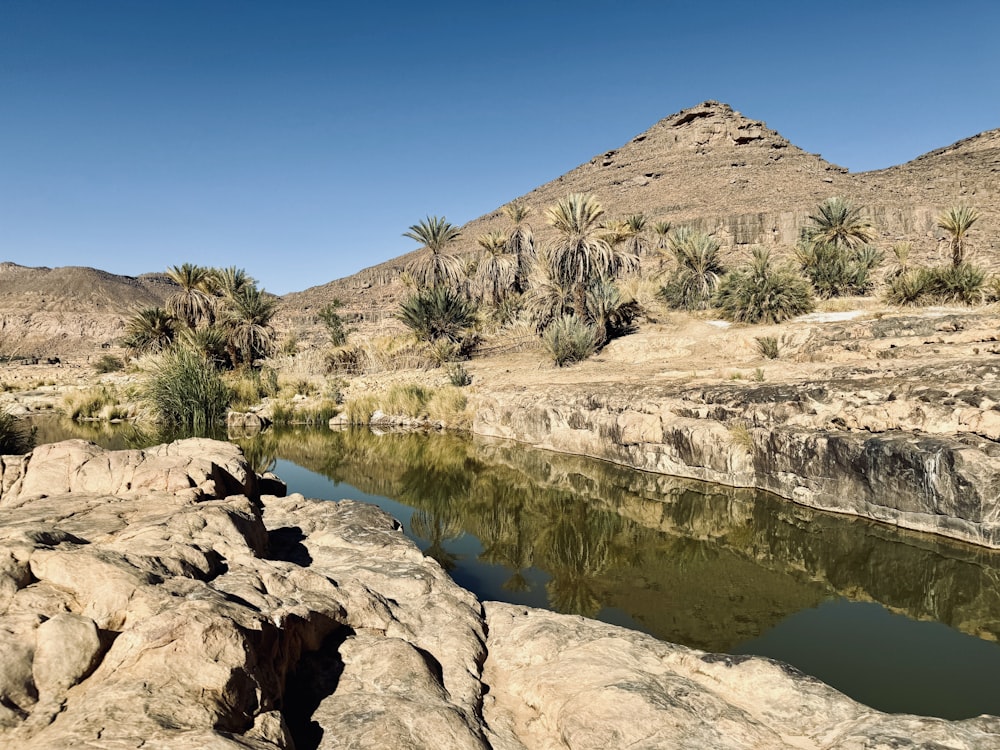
(900, 621)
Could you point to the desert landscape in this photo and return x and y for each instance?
(865, 385)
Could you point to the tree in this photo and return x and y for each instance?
(497, 270)
(193, 302)
(247, 320)
(582, 252)
(698, 270)
(837, 222)
(334, 322)
(957, 221)
(520, 243)
(150, 331)
(435, 267)
(636, 241)
(438, 312)
(227, 282)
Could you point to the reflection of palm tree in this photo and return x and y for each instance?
(580, 545)
(505, 542)
(260, 451)
(438, 526)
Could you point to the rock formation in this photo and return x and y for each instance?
(153, 599)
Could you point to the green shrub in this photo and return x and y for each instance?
(698, 270)
(15, 436)
(438, 312)
(186, 390)
(458, 376)
(768, 346)
(763, 293)
(108, 363)
(334, 323)
(568, 340)
(964, 284)
(838, 271)
(912, 287)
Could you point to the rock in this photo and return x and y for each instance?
(874, 448)
(562, 681)
(67, 647)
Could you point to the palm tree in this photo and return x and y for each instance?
(636, 241)
(435, 267)
(227, 282)
(698, 269)
(837, 222)
(957, 221)
(496, 270)
(436, 313)
(150, 331)
(662, 231)
(582, 252)
(520, 243)
(193, 301)
(247, 319)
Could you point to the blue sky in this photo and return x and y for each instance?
(299, 140)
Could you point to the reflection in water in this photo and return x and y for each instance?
(717, 568)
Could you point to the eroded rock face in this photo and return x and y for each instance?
(873, 447)
(180, 616)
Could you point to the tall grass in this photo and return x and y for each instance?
(186, 390)
(99, 402)
(447, 404)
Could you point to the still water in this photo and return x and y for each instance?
(900, 621)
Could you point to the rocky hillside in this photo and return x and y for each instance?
(712, 167)
(62, 311)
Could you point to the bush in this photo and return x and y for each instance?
(458, 376)
(768, 346)
(15, 437)
(436, 313)
(93, 403)
(108, 363)
(334, 323)
(698, 270)
(186, 390)
(837, 271)
(569, 340)
(964, 284)
(763, 293)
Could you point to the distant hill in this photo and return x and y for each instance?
(63, 311)
(711, 167)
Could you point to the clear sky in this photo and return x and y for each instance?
(300, 139)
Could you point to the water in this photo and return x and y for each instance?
(900, 621)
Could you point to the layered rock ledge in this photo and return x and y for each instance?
(155, 599)
(920, 449)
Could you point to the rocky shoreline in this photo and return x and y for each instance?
(157, 599)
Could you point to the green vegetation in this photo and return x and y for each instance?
(962, 284)
(185, 390)
(763, 293)
(768, 346)
(698, 272)
(435, 267)
(108, 363)
(569, 339)
(16, 437)
(838, 270)
(99, 402)
(438, 313)
(957, 221)
(838, 223)
(149, 331)
(447, 404)
(333, 322)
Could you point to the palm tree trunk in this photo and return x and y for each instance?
(580, 300)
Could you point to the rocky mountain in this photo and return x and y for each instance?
(711, 167)
(60, 311)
